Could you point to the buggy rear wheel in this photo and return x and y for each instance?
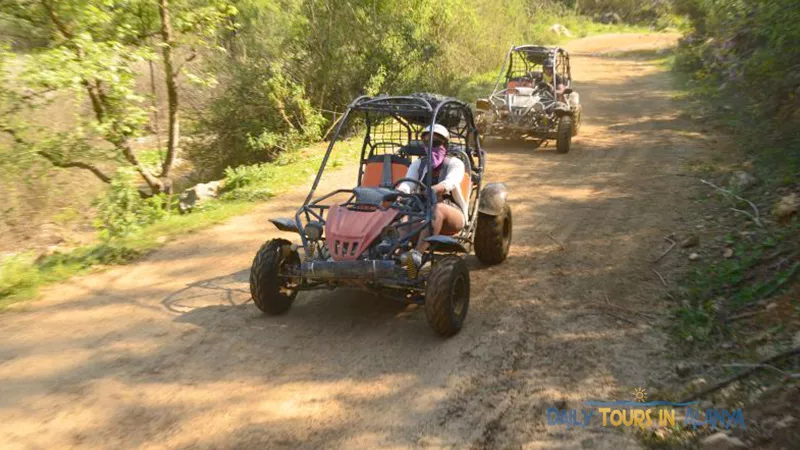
(447, 295)
(564, 134)
(493, 237)
(271, 292)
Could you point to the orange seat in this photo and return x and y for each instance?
(384, 170)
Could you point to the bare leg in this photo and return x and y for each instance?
(444, 216)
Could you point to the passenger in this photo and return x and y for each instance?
(450, 211)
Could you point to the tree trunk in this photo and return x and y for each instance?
(171, 78)
(154, 102)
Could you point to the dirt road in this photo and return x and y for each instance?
(170, 353)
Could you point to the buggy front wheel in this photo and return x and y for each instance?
(564, 134)
(447, 295)
(272, 292)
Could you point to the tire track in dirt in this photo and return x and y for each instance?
(170, 352)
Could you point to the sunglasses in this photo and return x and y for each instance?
(436, 140)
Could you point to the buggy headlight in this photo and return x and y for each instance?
(313, 231)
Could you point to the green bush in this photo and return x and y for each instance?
(256, 116)
(632, 11)
(17, 275)
(122, 209)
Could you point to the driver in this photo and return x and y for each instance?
(548, 75)
(450, 212)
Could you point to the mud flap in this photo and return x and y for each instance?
(285, 224)
(445, 244)
(493, 199)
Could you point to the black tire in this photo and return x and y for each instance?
(447, 295)
(493, 237)
(269, 290)
(576, 127)
(564, 134)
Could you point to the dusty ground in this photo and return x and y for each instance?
(171, 353)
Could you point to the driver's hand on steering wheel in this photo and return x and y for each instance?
(439, 190)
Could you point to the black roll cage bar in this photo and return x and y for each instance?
(398, 107)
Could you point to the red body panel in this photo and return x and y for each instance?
(348, 232)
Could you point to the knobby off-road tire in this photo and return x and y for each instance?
(267, 287)
(493, 237)
(447, 295)
(576, 126)
(564, 134)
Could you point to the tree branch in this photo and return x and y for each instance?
(51, 13)
(76, 164)
(755, 217)
(155, 184)
(743, 374)
(189, 58)
(55, 161)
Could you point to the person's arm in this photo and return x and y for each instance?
(455, 173)
(412, 172)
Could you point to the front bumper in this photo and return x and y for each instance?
(370, 269)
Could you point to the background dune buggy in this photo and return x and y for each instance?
(524, 104)
(363, 237)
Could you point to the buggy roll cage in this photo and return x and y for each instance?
(412, 113)
(531, 56)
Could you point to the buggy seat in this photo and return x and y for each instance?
(384, 170)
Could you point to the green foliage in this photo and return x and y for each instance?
(746, 52)
(632, 11)
(17, 277)
(90, 59)
(261, 181)
(122, 210)
(256, 115)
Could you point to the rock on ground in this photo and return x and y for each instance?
(196, 194)
(721, 441)
(560, 30)
(742, 180)
(786, 207)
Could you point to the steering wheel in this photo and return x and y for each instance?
(410, 180)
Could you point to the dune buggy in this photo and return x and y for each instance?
(365, 236)
(532, 97)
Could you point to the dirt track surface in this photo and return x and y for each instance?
(170, 352)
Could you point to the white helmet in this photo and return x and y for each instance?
(441, 130)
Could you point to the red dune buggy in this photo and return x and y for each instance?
(366, 236)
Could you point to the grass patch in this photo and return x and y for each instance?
(262, 181)
(22, 275)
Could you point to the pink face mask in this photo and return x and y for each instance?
(438, 154)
